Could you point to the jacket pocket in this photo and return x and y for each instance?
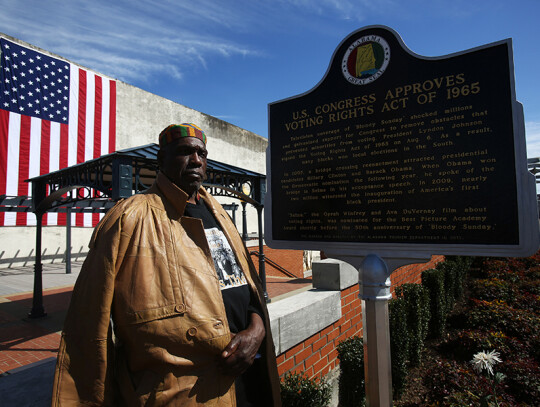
(152, 314)
(211, 335)
(141, 389)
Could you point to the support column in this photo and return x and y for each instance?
(68, 241)
(37, 300)
(262, 260)
(235, 207)
(244, 221)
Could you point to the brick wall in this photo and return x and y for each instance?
(317, 355)
(412, 273)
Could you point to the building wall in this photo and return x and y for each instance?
(18, 245)
(142, 115)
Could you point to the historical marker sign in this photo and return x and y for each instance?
(392, 151)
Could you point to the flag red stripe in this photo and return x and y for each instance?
(64, 146)
(112, 120)
(97, 118)
(81, 131)
(45, 153)
(81, 125)
(97, 132)
(45, 147)
(4, 126)
(63, 161)
(24, 159)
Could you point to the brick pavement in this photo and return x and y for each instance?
(24, 341)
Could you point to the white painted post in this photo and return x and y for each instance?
(374, 283)
(374, 279)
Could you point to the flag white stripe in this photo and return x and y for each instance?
(105, 108)
(12, 169)
(34, 159)
(89, 127)
(105, 103)
(54, 156)
(73, 119)
(90, 116)
(54, 163)
(73, 115)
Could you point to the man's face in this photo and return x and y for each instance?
(184, 162)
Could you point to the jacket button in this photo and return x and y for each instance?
(180, 308)
(192, 331)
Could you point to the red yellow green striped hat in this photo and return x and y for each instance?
(175, 131)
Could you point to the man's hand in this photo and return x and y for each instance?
(241, 350)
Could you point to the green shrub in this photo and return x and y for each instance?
(300, 391)
(463, 265)
(450, 276)
(433, 280)
(351, 377)
(455, 269)
(399, 344)
(417, 314)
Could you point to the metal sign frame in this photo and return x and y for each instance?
(529, 237)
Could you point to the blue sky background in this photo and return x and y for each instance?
(230, 58)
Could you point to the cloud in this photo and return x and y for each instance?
(343, 9)
(131, 41)
(532, 132)
(136, 40)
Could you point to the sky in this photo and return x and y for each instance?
(231, 58)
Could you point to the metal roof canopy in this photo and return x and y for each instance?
(130, 171)
(23, 203)
(119, 175)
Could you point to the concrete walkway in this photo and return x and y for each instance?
(19, 280)
(28, 347)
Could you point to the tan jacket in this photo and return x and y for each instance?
(150, 269)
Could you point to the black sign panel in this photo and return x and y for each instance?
(391, 147)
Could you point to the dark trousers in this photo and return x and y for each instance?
(250, 391)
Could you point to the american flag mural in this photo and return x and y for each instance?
(53, 114)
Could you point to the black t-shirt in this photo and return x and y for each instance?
(234, 287)
(236, 296)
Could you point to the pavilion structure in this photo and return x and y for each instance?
(96, 185)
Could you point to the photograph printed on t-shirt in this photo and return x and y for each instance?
(229, 273)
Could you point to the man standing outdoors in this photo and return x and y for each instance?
(171, 272)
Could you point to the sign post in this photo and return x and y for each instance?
(375, 294)
(401, 156)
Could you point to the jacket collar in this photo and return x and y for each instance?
(177, 198)
(175, 195)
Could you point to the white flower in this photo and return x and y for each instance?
(485, 360)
